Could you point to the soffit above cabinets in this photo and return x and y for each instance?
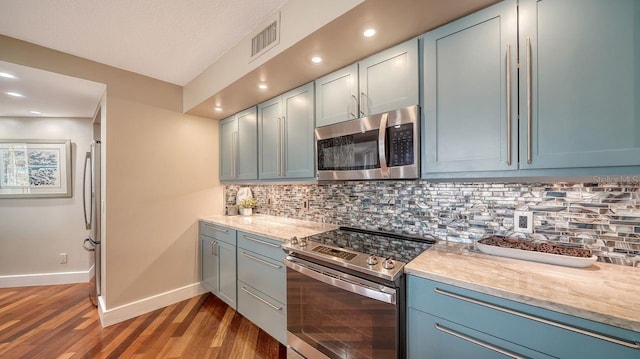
(339, 43)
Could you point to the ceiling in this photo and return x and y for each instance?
(51, 94)
(173, 41)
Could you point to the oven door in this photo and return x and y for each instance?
(335, 315)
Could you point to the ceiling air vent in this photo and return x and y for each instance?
(266, 38)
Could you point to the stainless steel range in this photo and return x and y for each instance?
(345, 293)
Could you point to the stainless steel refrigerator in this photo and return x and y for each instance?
(91, 204)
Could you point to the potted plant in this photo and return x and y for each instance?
(246, 206)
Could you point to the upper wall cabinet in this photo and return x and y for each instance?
(575, 105)
(580, 83)
(471, 93)
(383, 82)
(238, 146)
(285, 135)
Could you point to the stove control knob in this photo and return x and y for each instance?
(294, 240)
(372, 260)
(388, 264)
(303, 242)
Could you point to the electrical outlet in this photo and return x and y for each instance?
(63, 258)
(523, 221)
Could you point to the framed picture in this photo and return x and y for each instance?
(35, 168)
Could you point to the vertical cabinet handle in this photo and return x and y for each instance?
(355, 106)
(214, 248)
(529, 88)
(234, 156)
(508, 105)
(279, 150)
(362, 103)
(283, 135)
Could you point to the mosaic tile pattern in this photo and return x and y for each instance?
(602, 216)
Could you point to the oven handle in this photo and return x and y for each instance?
(342, 280)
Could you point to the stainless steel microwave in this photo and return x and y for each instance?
(382, 146)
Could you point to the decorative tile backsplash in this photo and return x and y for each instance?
(602, 216)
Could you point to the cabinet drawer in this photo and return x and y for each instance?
(433, 337)
(264, 311)
(558, 334)
(218, 232)
(263, 273)
(268, 247)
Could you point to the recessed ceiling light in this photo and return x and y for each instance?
(35, 112)
(14, 94)
(6, 75)
(316, 59)
(369, 32)
(218, 109)
(262, 86)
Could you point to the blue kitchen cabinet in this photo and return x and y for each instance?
(573, 98)
(581, 107)
(238, 146)
(389, 80)
(285, 135)
(440, 338)
(446, 321)
(262, 283)
(383, 82)
(337, 96)
(227, 130)
(218, 255)
(470, 93)
(209, 263)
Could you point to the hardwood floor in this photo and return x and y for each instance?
(59, 322)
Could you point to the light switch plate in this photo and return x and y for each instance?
(523, 221)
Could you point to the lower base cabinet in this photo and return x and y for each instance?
(446, 321)
(440, 338)
(218, 256)
(265, 312)
(262, 286)
(246, 271)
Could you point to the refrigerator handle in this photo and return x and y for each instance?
(92, 244)
(87, 216)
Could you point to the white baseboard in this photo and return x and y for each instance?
(124, 312)
(28, 280)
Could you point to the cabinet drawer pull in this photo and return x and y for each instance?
(261, 260)
(477, 342)
(529, 89)
(362, 103)
(508, 105)
(217, 229)
(260, 241)
(260, 299)
(628, 344)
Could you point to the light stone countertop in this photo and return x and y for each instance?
(279, 228)
(603, 292)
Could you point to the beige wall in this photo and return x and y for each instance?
(161, 175)
(34, 231)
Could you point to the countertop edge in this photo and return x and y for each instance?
(528, 300)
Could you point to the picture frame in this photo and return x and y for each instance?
(32, 168)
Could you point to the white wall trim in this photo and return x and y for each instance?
(127, 311)
(27, 280)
